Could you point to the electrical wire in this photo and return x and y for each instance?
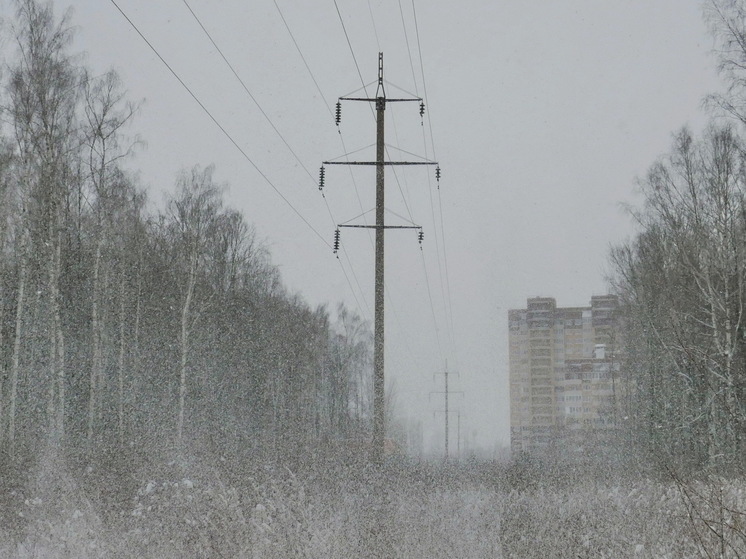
(269, 120)
(362, 293)
(422, 71)
(432, 306)
(401, 190)
(424, 264)
(352, 52)
(375, 29)
(362, 81)
(427, 279)
(373, 112)
(341, 139)
(397, 148)
(303, 58)
(246, 89)
(243, 84)
(409, 50)
(449, 304)
(222, 129)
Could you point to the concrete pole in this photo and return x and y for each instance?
(379, 416)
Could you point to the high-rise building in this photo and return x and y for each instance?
(564, 372)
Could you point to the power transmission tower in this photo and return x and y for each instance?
(380, 101)
(458, 436)
(446, 412)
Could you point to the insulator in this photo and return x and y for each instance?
(336, 241)
(339, 112)
(420, 236)
(437, 173)
(321, 178)
(422, 109)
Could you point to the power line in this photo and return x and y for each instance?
(362, 81)
(246, 89)
(422, 71)
(445, 260)
(399, 185)
(379, 290)
(222, 129)
(409, 50)
(354, 58)
(432, 306)
(396, 177)
(349, 44)
(341, 139)
(449, 302)
(303, 58)
(357, 302)
(411, 219)
(269, 120)
(375, 30)
(404, 198)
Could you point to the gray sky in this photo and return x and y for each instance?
(542, 115)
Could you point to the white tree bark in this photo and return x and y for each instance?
(120, 361)
(15, 360)
(184, 343)
(97, 358)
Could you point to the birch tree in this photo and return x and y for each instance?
(106, 112)
(194, 212)
(349, 374)
(7, 205)
(44, 87)
(727, 22)
(684, 282)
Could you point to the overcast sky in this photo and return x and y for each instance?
(542, 115)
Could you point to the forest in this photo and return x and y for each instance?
(162, 394)
(682, 281)
(120, 323)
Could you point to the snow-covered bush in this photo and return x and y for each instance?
(185, 518)
(60, 521)
(281, 519)
(367, 512)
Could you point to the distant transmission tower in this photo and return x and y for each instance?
(380, 101)
(446, 412)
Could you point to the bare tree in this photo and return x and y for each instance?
(349, 372)
(684, 280)
(727, 22)
(43, 89)
(106, 112)
(7, 204)
(194, 212)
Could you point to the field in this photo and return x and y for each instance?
(399, 511)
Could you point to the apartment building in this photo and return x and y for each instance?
(564, 372)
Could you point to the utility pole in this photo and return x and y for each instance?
(445, 375)
(458, 436)
(379, 414)
(446, 412)
(380, 100)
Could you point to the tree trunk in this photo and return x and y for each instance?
(96, 341)
(120, 364)
(185, 315)
(60, 341)
(14, 367)
(52, 380)
(136, 333)
(2, 363)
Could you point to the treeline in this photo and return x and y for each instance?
(682, 280)
(123, 327)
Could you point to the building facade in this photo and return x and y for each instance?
(564, 372)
